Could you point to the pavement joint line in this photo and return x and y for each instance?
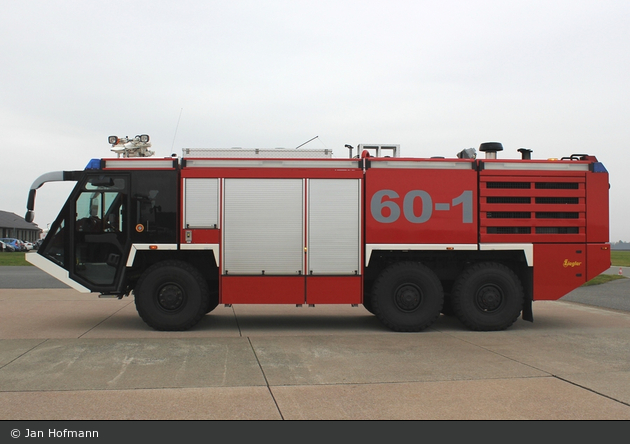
(26, 352)
(591, 390)
(415, 381)
(108, 317)
(499, 354)
(586, 304)
(238, 326)
(262, 370)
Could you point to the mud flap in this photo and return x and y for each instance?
(528, 314)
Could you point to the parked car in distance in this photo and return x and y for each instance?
(12, 244)
(28, 245)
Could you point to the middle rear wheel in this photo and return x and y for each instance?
(407, 296)
(488, 297)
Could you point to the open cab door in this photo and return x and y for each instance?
(87, 242)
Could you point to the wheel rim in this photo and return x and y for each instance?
(408, 297)
(170, 297)
(489, 298)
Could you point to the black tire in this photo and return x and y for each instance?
(487, 297)
(213, 298)
(367, 302)
(447, 308)
(407, 296)
(171, 295)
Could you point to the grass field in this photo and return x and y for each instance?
(13, 259)
(603, 278)
(620, 258)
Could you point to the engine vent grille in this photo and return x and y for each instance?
(532, 209)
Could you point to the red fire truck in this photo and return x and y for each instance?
(408, 238)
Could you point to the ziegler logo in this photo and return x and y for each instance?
(568, 263)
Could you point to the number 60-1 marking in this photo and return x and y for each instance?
(378, 203)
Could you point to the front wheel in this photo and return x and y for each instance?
(487, 297)
(213, 295)
(407, 296)
(171, 295)
(367, 302)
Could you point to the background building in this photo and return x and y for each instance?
(12, 225)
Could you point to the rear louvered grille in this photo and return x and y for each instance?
(557, 200)
(557, 230)
(532, 209)
(509, 200)
(509, 230)
(557, 215)
(508, 185)
(508, 215)
(557, 186)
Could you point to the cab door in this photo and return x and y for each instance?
(100, 232)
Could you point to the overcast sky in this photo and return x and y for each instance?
(435, 77)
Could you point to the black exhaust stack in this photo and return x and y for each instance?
(491, 149)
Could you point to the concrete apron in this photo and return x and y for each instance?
(66, 356)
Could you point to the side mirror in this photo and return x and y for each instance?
(30, 206)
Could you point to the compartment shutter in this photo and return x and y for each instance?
(334, 227)
(201, 203)
(263, 226)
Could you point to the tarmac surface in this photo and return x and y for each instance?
(70, 356)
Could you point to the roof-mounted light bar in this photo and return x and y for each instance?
(135, 147)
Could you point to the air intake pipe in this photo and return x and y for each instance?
(526, 154)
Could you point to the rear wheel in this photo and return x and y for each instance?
(407, 296)
(487, 297)
(172, 295)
